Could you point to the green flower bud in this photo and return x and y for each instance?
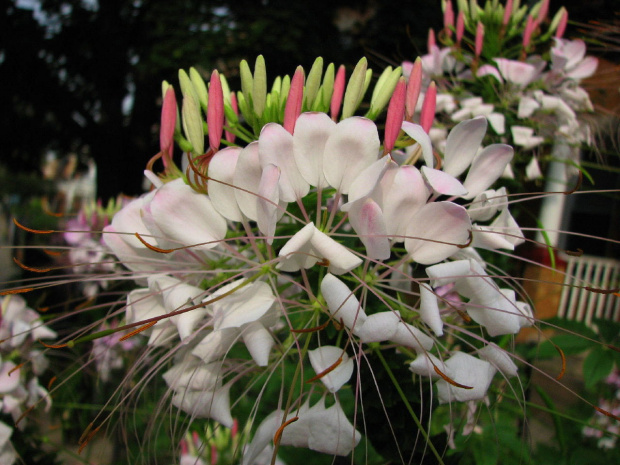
(199, 87)
(192, 125)
(313, 81)
(259, 89)
(355, 89)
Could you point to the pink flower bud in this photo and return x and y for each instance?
(413, 89)
(530, 25)
(448, 19)
(168, 124)
(460, 27)
(395, 116)
(184, 448)
(213, 454)
(294, 100)
(431, 43)
(507, 12)
(544, 10)
(235, 428)
(559, 32)
(215, 111)
(428, 108)
(339, 84)
(479, 38)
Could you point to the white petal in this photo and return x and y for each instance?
(468, 371)
(437, 231)
(532, 170)
(486, 168)
(462, 145)
(332, 433)
(424, 365)
(379, 327)
(499, 358)
(215, 344)
(527, 106)
(206, 404)
(259, 342)
(447, 273)
(194, 376)
(443, 183)
(244, 306)
(352, 147)
(128, 220)
(418, 134)
(187, 217)
(404, 197)
(429, 309)
(267, 203)
(309, 137)
(367, 180)
(410, 336)
(342, 303)
(367, 219)
(341, 260)
(296, 253)
(275, 146)
(222, 168)
(247, 177)
(325, 357)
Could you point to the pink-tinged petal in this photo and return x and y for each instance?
(342, 303)
(215, 111)
(460, 26)
(327, 356)
(410, 336)
(404, 197)
(9, 377)
(499, 358)
(311, 133)
(275, 146)
(222, 168)
(352, 147)
(517, 72)
(294, 100)
(424, 365)
(488, 70)
(187, 217)
(486, 168)
(427, 115)
(230, 137)
(507, 12)
(532, 170)
(168, 124)
(436, 232)
(296, 253)
(268, 201)
(414, 85)
(367, 220)
(429, 309)
(486, 237)
(259, 342)
(417, 133)
(395, 116)
(379, 327)
(134, 258)
(527, 106)
(486, 204)
(443, 183)
(341, 260)
(506, 223)
(462, 145)
(468, 371)
(339, 85)
(206, 404)
(497, 122)
(479, 40)
(559, 32)
(586, 68)
(247, 177)
(366, 182)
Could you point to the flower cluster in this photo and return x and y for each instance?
(311, 247)
(602, 427)
(517, 70)
(20, 391)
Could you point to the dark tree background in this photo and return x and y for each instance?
(70, 67)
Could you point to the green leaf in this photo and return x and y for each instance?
(597, 366)
(569, 343)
